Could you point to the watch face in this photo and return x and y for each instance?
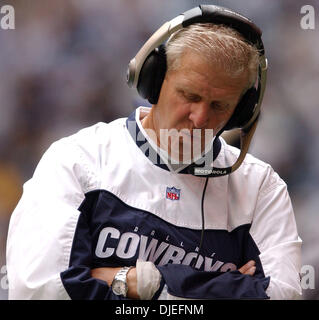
(119, 287)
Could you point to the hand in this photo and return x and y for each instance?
(107, 274)
(249, 268)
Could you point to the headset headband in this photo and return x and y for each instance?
(200, 14)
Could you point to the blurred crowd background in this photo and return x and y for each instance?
(64, 67)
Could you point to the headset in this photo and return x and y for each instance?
(146, 73)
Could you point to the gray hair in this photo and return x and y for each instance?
(219, 44)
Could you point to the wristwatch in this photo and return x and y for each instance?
(119, 284)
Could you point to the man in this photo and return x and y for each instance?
(112, 212)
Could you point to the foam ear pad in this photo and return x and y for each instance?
(152, 75)
(244, 110)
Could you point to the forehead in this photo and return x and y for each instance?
(197, 74)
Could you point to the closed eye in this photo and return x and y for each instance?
(190, 97)
(220, 107)
(217, 106)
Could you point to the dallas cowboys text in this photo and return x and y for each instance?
(125, 246)
(128, 244)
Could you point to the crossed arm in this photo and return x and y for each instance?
(107, 274)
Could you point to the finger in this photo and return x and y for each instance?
(251, 271)
(247, 266)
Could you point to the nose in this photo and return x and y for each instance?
(199, 114)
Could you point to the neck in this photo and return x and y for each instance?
(153, 131)
(147, 122)
(149, 125)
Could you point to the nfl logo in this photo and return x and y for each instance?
(173, 193)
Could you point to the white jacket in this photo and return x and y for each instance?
(96, 200)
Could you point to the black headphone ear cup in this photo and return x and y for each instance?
(244, 110)
(152, 75)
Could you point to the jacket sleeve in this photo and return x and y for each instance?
(184, 282)
(43, 225)
(275, 233)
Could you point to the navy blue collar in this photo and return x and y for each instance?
(146, 147)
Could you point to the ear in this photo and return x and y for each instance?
(152, 75)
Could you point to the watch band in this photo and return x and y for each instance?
(119, 283)
(121, 274)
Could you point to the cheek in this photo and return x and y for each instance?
(218, 121)
(178, 113)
